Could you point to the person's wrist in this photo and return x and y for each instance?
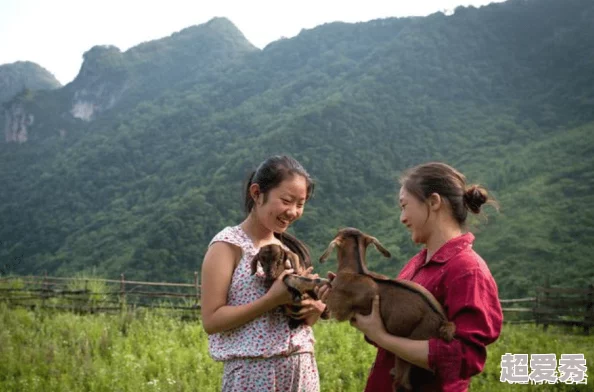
(379, 337)
(273, 301)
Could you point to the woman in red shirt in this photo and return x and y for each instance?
(434, 202)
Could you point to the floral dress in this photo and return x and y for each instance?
(263, 354)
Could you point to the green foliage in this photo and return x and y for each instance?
(503, 93)
(16, 77)
(152, 350)
(63, 352)
(543, 191)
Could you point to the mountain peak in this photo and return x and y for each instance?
(217, 29)
(108, 75)
(223, 25)
(101, 50)
(15, 77)
(220, 22)
(99, 58)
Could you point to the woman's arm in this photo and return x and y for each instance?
(217, 271)
(473, 305)
(413, 351)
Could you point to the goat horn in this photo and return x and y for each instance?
(380, 247)
(325, 255)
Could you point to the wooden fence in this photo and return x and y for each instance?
(91, 295)
(554, 306)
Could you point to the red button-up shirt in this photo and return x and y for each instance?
(462, 283)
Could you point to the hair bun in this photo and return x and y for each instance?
(474, 198)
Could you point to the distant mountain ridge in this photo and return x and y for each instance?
(108, 76)
(111, 79)
(151, 164)
(20, 75)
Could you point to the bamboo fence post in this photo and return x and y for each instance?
(589, 314)
(44, 289)
(536, 306)
(546, 297)
(197, 287)
(89, 299)
(122, 291)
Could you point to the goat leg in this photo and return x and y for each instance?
(290, 310)
(295, 293)
(401, 375)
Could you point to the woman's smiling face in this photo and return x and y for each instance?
(414, 214)
(283, 204)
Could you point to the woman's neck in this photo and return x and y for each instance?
(257, 232)
(442, 234)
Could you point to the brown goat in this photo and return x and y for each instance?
(274, 260)
(407, 309)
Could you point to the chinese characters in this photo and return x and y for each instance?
(543, 368)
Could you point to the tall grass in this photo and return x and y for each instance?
(154, 350)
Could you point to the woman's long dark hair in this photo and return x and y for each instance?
(268, 176)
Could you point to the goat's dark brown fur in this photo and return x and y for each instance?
(407, 309)
(274, 260)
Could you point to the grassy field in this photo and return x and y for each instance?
(157, 351)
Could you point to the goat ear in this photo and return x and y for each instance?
(380, 247)
(254, 263)
(294, 260)
(329, 250)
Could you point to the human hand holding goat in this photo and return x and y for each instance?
(283, 271)
(371, 325)
(408, 313)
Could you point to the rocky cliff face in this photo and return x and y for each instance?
(96, 98)
(109, 78)
(18, 79)
(16, 123)
(101, 82)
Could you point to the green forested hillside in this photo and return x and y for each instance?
(505, 93)
(21, 75)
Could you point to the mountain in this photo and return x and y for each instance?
(110, 80)
(21, 75)
(150, 166)
(17, 78)
(108, 77)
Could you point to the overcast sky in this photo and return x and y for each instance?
(55, 34)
